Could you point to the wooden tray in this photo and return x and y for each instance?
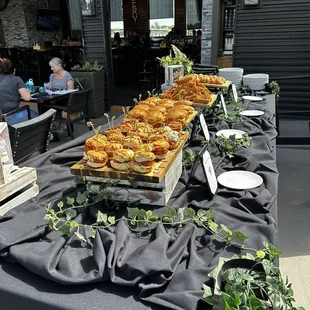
(206, 105)
(224, 86)
(190, 117)
(155, 176)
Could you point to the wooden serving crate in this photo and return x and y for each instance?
(223, 86)
(207, 104)
(155, 176)
(154, 188)
(20, 187)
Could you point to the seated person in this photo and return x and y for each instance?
(117, 39)
(60, 79)
(12, 88)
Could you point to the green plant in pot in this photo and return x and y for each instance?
(91, 76)
(250, 283)
(179, 58)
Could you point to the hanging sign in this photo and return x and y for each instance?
(204, 127)
(234, 91)
(134, 10)
(223, 104)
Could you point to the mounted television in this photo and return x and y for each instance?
(48, 20)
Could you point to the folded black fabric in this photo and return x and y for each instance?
(165, 266)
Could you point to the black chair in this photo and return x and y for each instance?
(77, 103)
(31, 137)
(205, 69)
(5, 117)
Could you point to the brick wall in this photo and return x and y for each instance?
(19, 22)
(30, 10)
(14, 24)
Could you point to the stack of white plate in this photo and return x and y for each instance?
(232, 74)
(256, 81)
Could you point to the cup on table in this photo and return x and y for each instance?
(46, 86)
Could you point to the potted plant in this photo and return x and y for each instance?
(91, 76)
(250, 282)
(179, 58)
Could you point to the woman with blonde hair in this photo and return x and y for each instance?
(60, 78)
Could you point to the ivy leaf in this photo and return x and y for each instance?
(132, 212)
(81, 198)
(149, 213)
(207, 292)
(272, 251)
(260, 254)
(205, 215)
(111, 219)
(70, 201)
(70, 214)
(181, 214)
(228, 232)
(48, 217)
(73, 224)
(240, 236)
(170, 212)
(101, 217)
(65, 229)
(93, 233)
(60, 204)
(190, 212)
(226, 229)
(213, 226)
(80, 236)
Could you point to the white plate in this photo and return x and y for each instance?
(238, 179)
(230, 132)
(252, 98)
(252, 113)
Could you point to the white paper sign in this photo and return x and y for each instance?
(209, 172)
(204, 127)
(235, 94)
(223, 104)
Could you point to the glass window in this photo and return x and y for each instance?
(117, 22)
(193, 15)
(161, 17)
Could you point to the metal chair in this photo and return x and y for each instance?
(77, 103)
(31, 137)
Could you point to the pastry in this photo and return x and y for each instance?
(97, 159)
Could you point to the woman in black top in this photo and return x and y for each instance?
(11, 87)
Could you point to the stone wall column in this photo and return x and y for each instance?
(206, 39)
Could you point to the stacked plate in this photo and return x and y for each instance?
(256, 81)
(232, 74)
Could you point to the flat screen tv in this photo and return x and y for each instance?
(48, 20)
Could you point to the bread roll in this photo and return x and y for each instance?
(110, 148)
(120, 166)
(123, 155)
(95, 143)
(141, 156)
(97, 159)
(137, 167)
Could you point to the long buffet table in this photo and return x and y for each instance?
(157, 269)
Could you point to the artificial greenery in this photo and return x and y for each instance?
(275, 89)
(86, 66)
(189, 158)
(230, 116)
(252, 288)
(238, 293)
(231, 145)
(179, 58)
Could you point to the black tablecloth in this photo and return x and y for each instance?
(162, 268)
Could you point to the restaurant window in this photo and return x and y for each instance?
(161, 17)
(193, 15)
(117, 21)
